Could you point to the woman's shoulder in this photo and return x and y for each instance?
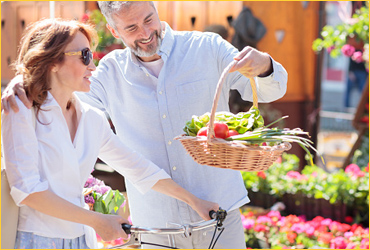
(23, 110)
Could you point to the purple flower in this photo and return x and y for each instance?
(90, 182)
(357, 57)
(101, 189)
(89, 199)
(348, 50)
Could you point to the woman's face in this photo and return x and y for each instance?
(72, 74)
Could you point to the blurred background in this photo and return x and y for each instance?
(327, 94)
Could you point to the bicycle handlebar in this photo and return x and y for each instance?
(217, 219)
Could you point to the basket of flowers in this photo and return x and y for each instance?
(240, 141)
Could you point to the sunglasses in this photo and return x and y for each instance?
(86, 55)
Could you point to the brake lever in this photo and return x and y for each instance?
(220, 216)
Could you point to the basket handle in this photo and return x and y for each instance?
(211, 131)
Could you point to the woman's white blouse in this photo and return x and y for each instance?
(44, 157)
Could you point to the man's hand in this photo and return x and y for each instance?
(15, 87)
(252, 62)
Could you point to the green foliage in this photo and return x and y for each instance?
(350, 186)
(109, 202)
(333, 38)
(106, 39)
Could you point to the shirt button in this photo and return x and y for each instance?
(160, 92)
(174, 168)
(147, 74)
(164, 116)
(169, 142)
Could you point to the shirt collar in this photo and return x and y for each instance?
(167, 42)
(51, 102)
(166, 46)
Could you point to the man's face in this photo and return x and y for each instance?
(139, 28)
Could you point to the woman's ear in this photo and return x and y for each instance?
(114, 33)
(54, 68)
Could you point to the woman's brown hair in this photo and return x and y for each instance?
(42, 45)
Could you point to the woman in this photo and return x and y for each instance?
(50, 154)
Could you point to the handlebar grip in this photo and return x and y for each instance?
(212, 214)
(126, 228)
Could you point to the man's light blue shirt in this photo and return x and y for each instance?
(149, 112)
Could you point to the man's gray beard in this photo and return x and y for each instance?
(141, 53)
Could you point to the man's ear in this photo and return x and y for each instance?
(114, 33)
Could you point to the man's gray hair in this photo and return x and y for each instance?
(110, 8)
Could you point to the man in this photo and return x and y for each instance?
(151, 88)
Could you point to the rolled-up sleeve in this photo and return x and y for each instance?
(141, 172)
(274, 86)
(20, 151)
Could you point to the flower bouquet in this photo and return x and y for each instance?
(102, 198)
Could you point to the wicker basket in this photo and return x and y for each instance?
(234, 155)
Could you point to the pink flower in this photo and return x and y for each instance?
(248, 223)
(293, 174)
(298, 228)
(264, 220)
(278, 160)
(326, 222)
(364, 243)
(354, 170)
(348, 235)
(329, 49)
(85, 17)
(348, 50)
(357, 57)
(338, 243)
(118, 241)
(310, 230)
(351, 245)
(325, 237)
(275, 214)
(259, 228)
